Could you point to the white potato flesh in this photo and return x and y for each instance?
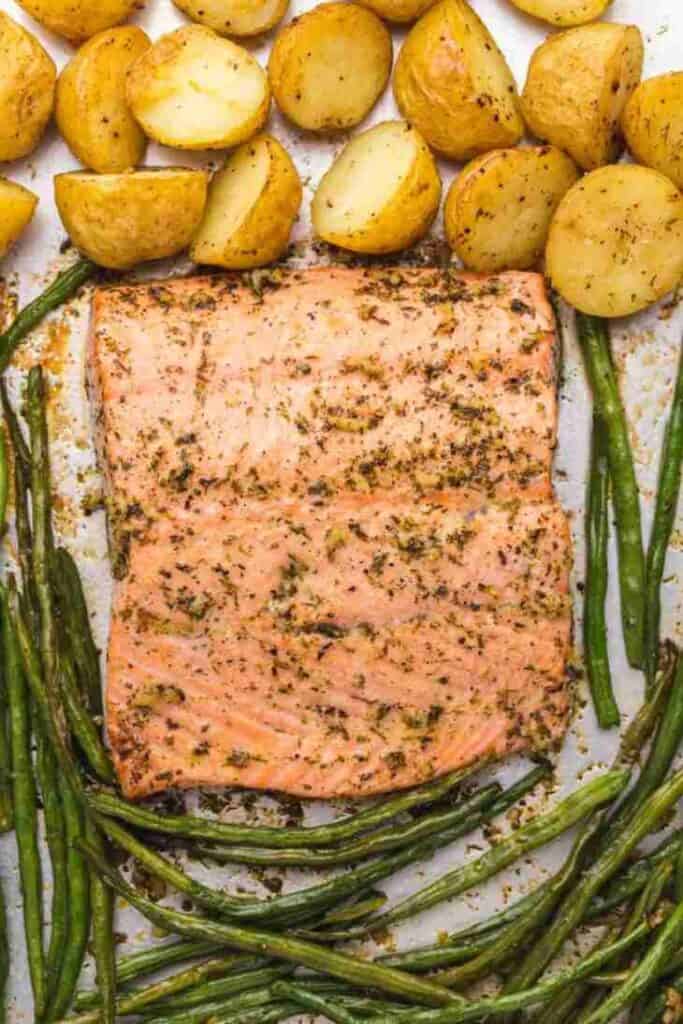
(17, 206)
(235, 17)
(252, 205)
(563, 13)
(616, 241)
(653, 125)
(120, 220)
(196, 90)
(27, 90)
(77, 20)
(381, 193)
(499, 209)
(328, 68)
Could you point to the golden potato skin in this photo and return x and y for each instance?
(399, 12)
(401, 210)
(563, 13)
(119, 220)
(262, 235)
(499, 209)
(17, 206)
(652, 123)
(616, 241)
(173, 91)
(78, 20)
(27, 90)
(328, 68)
(238, 18)
(453, 84)
(91, 109)
(577, 85)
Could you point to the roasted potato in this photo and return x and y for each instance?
(119, 220)
(195, 90)
(328, 68)
(91, 110)
(499, 209)
(563, 13)
(17, 206)
(398, 11)
(235, 17)
(652, 123)
(616, 241)
(27, 90)
(576, 88)
(452, 83)
(252, 205)
(77, 20)
(382, 192)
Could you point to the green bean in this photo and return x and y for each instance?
(665, 943)
(78, 910)
(668, 489)
(257, 835)
(594, 339)
(221, 988)
(76, 619)
(631, 881)
(444, 954)
(515, 935)
(279, 908)
(6, 812)
(82, 725)
(377, 842)
(298, 995)
(232, 1009)
(25, 807)
(659, 760)
(573, 908)
(361, 909)
(641, 727)
(537, 832)
(597, 540)
(656, 1006)
(4, 953)
(281, 947)
(22, 482)
(55, 835)
(102, 905)
(60, 291)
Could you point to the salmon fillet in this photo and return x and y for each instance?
(339, 564)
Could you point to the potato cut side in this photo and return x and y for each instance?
(653, 125)
(577, 86)
(119, 220)
(453, 84)
(235, 17)
(616, 241)
(27, 90)
(252, 205)
(398, 11)
(381, 193)
(328, 68)
(92, 112)
(499, 209)
(563, 13)
(17, 206)
(195, 90)
(77, 20)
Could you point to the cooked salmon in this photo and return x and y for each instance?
(340, 566)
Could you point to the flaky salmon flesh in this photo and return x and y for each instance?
(339, 565)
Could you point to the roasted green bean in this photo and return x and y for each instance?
(319, 1005)
(76, 619)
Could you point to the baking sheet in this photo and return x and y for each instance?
(645, 350)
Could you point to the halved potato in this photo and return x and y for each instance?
(564, 13)
(17, 206)
(453, 84)
(235, 17)
(576, 88)
(328, 68)
(653, 125)
(91, 111)
(77, 20)
(398, 11)
(499, 209)
(382, 192)
(27, 90)
(195, 90)
(119, 220)
(616, 241)
(252, 205)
